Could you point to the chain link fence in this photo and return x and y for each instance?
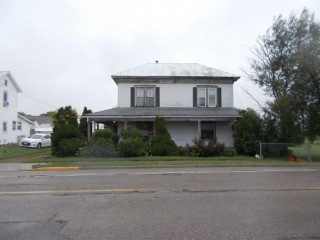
(307, 151)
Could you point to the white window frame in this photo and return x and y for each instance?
(207, 96)
(14, 125)
(145, 96)
(215, 96)
(19, 126)
(201, 89)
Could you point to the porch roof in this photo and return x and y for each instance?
(169, 113)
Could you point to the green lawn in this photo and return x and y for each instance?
(301, 151)
(21, 154)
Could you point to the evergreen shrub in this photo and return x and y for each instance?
(161, 142)
(131, 143)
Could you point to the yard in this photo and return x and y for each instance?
(10, 154)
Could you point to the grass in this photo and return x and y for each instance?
(302, 151)
(39, 156)
(21, 154)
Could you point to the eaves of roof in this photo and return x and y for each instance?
(168, 113)
(173, 71)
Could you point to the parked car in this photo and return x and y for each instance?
(37, 141)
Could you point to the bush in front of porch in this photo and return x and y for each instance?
(131, 143)
(161, 143)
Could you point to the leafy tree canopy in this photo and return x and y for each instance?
(286, 64)
(65, 126)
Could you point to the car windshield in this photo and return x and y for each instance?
(36, 136)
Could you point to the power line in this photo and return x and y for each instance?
(39, 101)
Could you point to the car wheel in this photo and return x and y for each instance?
(39, 145)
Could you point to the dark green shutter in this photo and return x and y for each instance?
(194, 97)
(219, 98)
(132, 97)
(157, 97)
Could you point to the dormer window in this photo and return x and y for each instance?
(6, 82)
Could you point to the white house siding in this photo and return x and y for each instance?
(174, 95)
(177, 95)
(8, 113)
(224, 133)
(25, 130)
(227, 95)
(182, 133)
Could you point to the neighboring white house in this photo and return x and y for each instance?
(13, 126)
(41, 124)
(195, 100)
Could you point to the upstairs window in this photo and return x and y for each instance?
(145, 96)
(5, 99)
(6, 82)
(19, 126)
(207, 97)
(4, 126)
(14, 125)
(5, 96)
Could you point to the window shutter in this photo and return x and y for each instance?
(194, 97)
(157, 97)
(132, 97)
(219, 98)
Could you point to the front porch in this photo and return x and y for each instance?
(184, 124)
(182, 132)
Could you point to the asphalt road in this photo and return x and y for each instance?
(184, 203)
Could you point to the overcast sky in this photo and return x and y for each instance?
(63, 52)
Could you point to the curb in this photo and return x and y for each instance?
(55, 168)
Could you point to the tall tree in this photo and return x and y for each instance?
(66, 135)
(83, 126)
(286, 65)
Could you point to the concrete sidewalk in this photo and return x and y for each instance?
(7, 167)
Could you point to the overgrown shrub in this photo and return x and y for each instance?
(69, 146)
(131, 143)
(65, 128)
(202, 149)
(182, 151)
(102, 144)
(161, 142)
(230, 152)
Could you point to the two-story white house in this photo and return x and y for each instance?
(12, 125)
(195, 100)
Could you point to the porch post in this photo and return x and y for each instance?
(125, 125)
(88, 129)
(199, 129)
(93, 126)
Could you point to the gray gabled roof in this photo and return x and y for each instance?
(14, 82)
(39, 119)
(173, 70)
(173, 113)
